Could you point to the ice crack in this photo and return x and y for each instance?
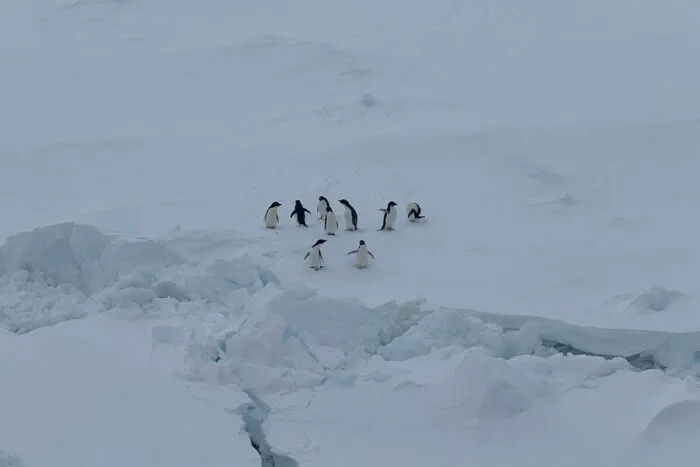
(255, 415)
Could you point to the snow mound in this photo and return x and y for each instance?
(670, 438)
(564, 371)
(680, 420)
(287, 339)
(57, 254)
(291, 339)
(486, 387)
(80, 256)
(446, 327)
(68, 271)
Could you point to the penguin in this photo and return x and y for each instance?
(413, 212)
(271, 217)
(350, 215)
(300, 211)
(362, 255)
(331, 222)
(315, 256)
(389, 220)
(322, 205)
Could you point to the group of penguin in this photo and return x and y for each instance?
(330, 226)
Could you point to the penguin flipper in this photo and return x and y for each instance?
(370, 253)
(292, 214)
(351, 252)
(306, 255)
(307, 210)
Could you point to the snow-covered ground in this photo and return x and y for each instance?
(546, 308)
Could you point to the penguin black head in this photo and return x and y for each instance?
(323, 198)
(391, 203)
(297, 203)
(320, 241)
(362, 242)
(344, 202)
(275, 205)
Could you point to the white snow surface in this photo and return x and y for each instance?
(145, 310)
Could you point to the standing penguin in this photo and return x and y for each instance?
(389, 220)
(350, 215)
(271, 217)
(300, 211)
(315, 256)
(413, 212)
(331, 222)
(322, 205)
(362, 255)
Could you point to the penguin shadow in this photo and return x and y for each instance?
(422, 221)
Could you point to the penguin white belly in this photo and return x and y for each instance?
(391, 218)
(321, 209)
(315, 258)
(362, 258)
(348, 220)
(271, 218)
(331, 223)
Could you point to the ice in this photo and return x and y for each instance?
(545, 311)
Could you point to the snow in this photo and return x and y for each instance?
(545, 309)
(96, 391)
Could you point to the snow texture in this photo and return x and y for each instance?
(544, 311)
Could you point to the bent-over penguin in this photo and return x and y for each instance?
(299, 211)
(315, 256)
(350, 215)
(362, 255)
(271, 217)
(389, 220)
(330, 224)
(322, 205)
(413, 211)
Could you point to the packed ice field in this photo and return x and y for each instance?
(154, 313)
